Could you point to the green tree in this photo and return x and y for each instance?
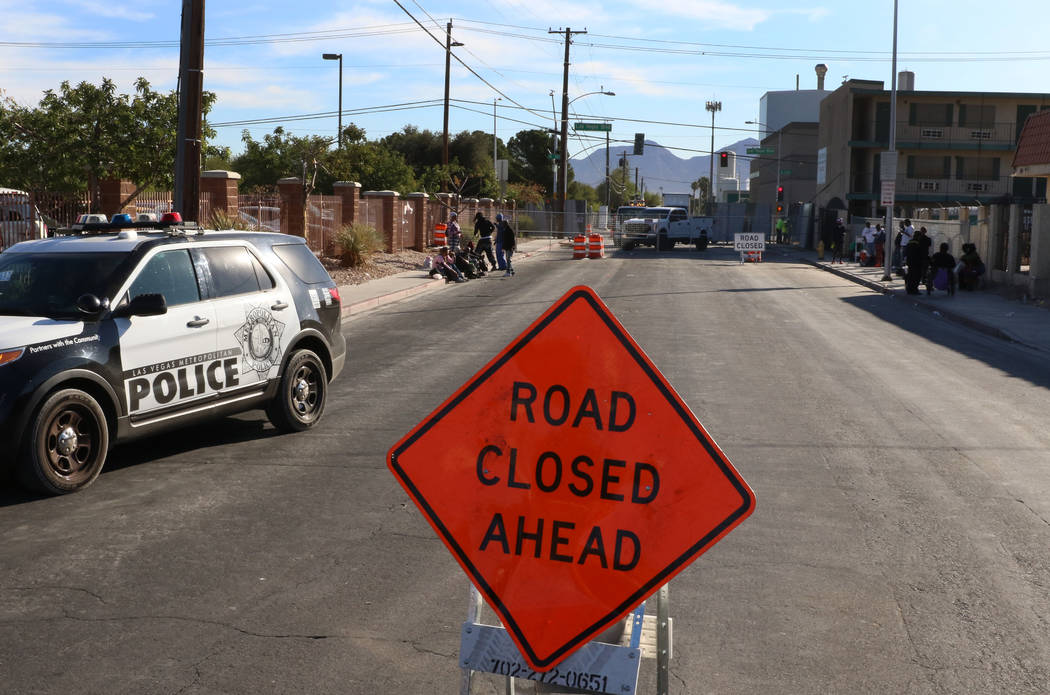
(80, 135)
(529, 160)
(621, 185)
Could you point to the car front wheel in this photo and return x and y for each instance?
(301, 397)
(66, 444)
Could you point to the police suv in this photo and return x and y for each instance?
(119, 330)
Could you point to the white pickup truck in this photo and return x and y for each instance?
(663, 227)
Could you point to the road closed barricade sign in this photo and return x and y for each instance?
(749, 245)
(569, 480)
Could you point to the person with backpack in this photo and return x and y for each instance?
(506, 238)
(483, 231)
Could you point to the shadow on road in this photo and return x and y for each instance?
(1010, 358)
(231, 430)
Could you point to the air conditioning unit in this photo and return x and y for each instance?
(932, 133)
(929, 185)
(977, 187)
(980, 135)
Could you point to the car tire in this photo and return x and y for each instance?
(302, 394)
(628, 246)
(663, 243)
(66, 443)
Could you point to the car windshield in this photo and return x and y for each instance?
(48, 284)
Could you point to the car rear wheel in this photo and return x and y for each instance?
(66, 444)
(302, 395)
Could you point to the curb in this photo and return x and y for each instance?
(354, 310)
(962, 320)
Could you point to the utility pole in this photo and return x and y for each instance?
(714, 107)
(449, 43)
(188, 135)
(608, 182)
(563, 165)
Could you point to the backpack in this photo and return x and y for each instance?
(899, 239)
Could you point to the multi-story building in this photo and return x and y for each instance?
(954, 149)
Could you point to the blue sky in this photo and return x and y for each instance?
(663, 58)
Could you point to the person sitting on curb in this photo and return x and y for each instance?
(970, 268)
(942, 271)
(445, 266)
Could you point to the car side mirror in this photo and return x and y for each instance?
(91, 305)
(143, 305)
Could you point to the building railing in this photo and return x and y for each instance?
(912, 136)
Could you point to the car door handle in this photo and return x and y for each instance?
(196, 322)
(279, 305)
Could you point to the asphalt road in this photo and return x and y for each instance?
(901, 542)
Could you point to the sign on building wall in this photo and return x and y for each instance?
(822, 165)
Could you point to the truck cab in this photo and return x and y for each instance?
(663, 227)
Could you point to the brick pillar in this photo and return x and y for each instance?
(487, 207)
(293, 219)
(418, 201)
(221, 186)
(389, 223)
(112, 192)
(350, 193)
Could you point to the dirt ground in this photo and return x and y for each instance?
(379, 265)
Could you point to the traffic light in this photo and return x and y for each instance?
(639, 143)
(780, 194)
(723, 159)
(780, 209)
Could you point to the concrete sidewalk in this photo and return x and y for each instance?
(359, 299)
(982, 310)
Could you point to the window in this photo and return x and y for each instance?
(930, 114)
(977, 168)
(233, 271)
(169, 273)
(302, 261)
(677, 215)
(48, 284)
(926, 167)
(971, 116)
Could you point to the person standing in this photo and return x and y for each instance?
(838, 241)
(506, 238)
(453, 232)
(869, 242)
(483, 231)
(880, 246)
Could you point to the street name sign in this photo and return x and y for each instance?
(761, 150)
(569, 480)
(603, 127)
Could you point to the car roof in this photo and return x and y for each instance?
(126, 243)
(12, 191)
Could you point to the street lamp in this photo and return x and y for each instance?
(339, 57)
(779, 131)
(891, 156)
(713, 107)
(563, 165)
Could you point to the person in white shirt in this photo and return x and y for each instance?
(869, 242)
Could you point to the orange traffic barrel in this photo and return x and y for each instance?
(595, 246)
(579, 246)
(439, 234)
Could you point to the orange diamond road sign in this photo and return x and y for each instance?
(569, 480)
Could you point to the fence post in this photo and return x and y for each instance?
(419, 219)
(389, 223)
(222, 186)
(350, 193)
(112, 192)
(293, 211)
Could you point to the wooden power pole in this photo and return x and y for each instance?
(191, 97)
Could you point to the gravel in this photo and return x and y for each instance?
(378, 265)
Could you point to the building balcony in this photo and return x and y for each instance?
(934, 190)
(997, 136)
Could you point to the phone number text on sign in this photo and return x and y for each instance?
(749, 241)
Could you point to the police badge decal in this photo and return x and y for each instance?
(260, 339)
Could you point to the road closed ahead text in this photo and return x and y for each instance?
(581, 474)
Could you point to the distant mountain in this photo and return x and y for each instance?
(659, 166)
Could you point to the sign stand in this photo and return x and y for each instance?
(597, 667)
